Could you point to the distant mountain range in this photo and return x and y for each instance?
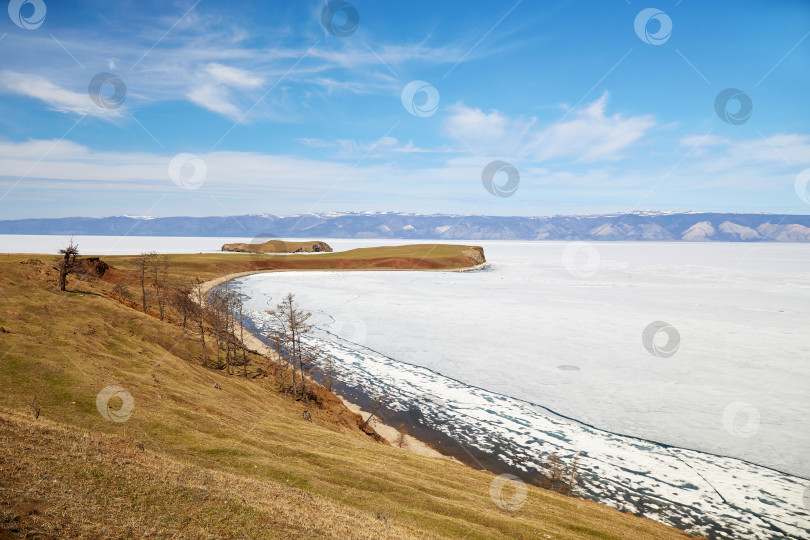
(642, 226)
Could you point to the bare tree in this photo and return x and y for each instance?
(214, 304)
(328, 371)
(290, 326)
(240, 312)
(120, 290)
(558, 476)
(225, 310)
(556, 472)
(228, 307)
(142, 263)
(378, 401)
(402, 435)
(278, 342)
(69, 255)
(198, 290)
(308, 357)
(180, 297)
(160, 271)
(573, 477)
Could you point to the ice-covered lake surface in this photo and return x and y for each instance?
(113, 245)
(542, 352)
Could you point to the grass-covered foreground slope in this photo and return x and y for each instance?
(204, 454)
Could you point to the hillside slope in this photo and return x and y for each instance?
(204, 453)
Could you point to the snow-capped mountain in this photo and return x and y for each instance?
(641, 226)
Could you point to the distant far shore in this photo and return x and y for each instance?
(644, 226)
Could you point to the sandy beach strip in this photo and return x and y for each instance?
(392, 435)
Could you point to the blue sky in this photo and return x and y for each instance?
(255, 107)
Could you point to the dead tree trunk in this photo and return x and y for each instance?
(240, 306)
(378, 402)
(198, 289)
(66, 264)
(143, 262)
(160, 271)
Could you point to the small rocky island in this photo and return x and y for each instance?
(279, 246)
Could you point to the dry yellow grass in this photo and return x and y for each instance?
(238, 461)
(61, 482)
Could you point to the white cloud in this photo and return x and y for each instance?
(384, 147)
(215, 98)
(66, 164)
(450, 183)
(722, 154)
(214, 91)
(588, 136)
(235, 77)
(56, 97)
(592, 136)
(478, 129)
(314, 142)
(205, 49)
(332, 85)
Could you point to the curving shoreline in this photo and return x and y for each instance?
(692, 490)
(391, 434)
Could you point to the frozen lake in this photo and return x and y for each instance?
(527, 328)
(489, 357)
(560, 326)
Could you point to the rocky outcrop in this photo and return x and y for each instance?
(475, 254)
(91, 266)
(279, 246)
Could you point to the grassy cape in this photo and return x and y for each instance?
(207, 454)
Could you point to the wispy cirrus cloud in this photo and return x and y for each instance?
(383, 147)
(452, 181)
(215, 98)
(215, 88)
(589, 135)
(719, 153)
(55, 97)
(218, 67)
(232, 76)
